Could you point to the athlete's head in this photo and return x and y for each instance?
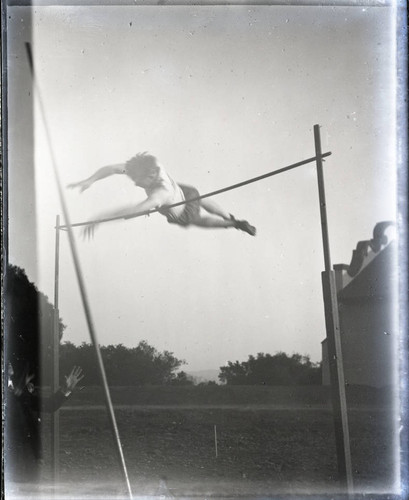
(142, 168)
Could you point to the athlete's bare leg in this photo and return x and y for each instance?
(214, 209)
(213, 222)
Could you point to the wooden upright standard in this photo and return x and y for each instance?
(336, 367)
(55, 420)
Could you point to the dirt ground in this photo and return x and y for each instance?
(260, 452)
(271, 443)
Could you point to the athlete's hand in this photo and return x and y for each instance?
(88, 231)
(81, 185)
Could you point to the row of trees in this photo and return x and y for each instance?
(29, 318)
(143, 365)
(267, 369)
(140, 365)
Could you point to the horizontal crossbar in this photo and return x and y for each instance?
(207, 195)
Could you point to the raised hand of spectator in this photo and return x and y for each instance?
(72, 380)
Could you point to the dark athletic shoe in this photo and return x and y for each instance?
(243, 225)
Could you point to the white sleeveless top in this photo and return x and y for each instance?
(164, 181)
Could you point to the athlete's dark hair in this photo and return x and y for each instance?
(142, 165)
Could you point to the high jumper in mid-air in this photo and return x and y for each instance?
(162, 191)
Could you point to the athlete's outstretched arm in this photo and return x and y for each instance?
(155, 200)
(101, 173)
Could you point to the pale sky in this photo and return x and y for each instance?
(219, 95)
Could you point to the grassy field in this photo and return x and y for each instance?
(269, 443)
(223, 395)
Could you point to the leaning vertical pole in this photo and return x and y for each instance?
(55, 421)
(339, 405)
(80, 280)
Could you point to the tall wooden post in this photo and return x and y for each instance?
(339, 406)
(55, 421)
